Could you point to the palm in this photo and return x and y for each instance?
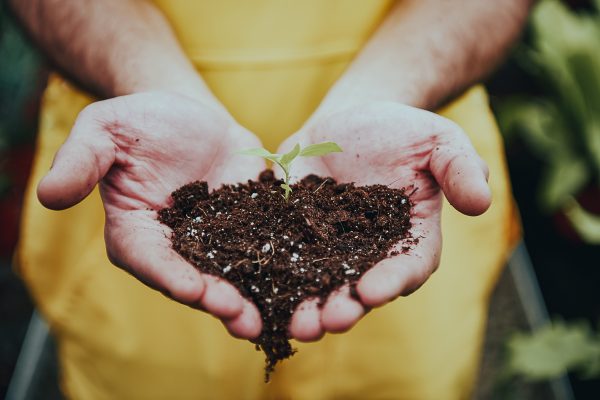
(142, 148)
(398, 146)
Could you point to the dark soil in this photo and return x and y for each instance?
(279, 253)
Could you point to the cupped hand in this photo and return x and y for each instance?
(140, 148)
(398, 146)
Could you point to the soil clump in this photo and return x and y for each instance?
(278, 253)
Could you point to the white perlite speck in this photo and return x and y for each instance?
(254, 289)
(350, 272)
(345, 266)
(254, 195)
(266, 248)
(197, 219)
(227, 269)
(295, 257)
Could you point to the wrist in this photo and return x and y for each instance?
(181, 82)
(158, 79)
(361, 90)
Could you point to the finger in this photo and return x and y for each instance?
(341, 312)
(80, 163)
(402, 274)
(220, 298)
(461, 174)
(306, 322)
(138, 243)
(247, 325)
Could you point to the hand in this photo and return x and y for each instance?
(398, 146)
(140, 148)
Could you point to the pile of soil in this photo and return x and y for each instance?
(278, 253)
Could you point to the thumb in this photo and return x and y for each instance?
(84, 158)
(461, 174)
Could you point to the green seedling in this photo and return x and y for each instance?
(285, 160)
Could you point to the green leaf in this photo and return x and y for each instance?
(288, 157)
(585, 223)
(585, 68)
(320, 149)
(530, 120)
(259, 152)
(566, 175)
(284, 161)
(5, 184)
(553, 350)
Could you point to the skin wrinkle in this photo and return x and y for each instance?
(129, 197)
(146, 218)
(123, 202)
(125, 139)
(98, 162)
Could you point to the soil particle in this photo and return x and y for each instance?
(278, 253)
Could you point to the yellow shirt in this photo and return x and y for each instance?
(269, 62)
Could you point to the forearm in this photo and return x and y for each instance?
(111, 47)
(428, 51)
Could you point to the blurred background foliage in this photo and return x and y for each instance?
(21, 81)
(547, 102)
(554, 350)
(18, 83)
(561, 125)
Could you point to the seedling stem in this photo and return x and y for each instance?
(285, 160)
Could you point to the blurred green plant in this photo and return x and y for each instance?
(562, 128)
(19, 78)
(553, 350)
